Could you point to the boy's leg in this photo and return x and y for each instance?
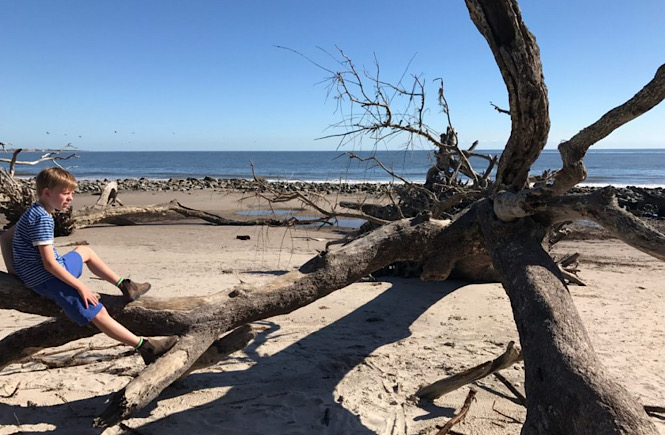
(109, 326)
(150, 348)
(131, 290)
(96, 265)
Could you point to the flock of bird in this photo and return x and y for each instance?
(4, 145)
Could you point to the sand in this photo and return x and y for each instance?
(346, 364)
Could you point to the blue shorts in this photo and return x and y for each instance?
(65, 296)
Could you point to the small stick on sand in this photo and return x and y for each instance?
(452, 383)
(460, 415)
(520, 397)
(6, 396)
(651, 410)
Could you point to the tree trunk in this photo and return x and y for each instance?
(568, 390)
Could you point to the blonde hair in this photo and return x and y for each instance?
(54, 177)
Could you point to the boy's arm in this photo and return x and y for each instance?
(56, 269)
(6, 240)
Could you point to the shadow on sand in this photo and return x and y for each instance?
(290, 392)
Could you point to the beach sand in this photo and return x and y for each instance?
(346, 364)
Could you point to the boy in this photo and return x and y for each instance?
(40, 267)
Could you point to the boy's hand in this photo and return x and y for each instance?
(55, 269)
(88, 296)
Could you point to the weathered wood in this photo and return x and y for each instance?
(573, 151)
(51, 156)
(569, 260)
(12, 162)
(458, 380)
(459, 417)
(518, 57)
(108, 196)
(571, 278)
(91, 216)
(567, 388)
(157, 376)
(317, 278)
(18, 197)
(601, 207)
(25, 342)
(509, 206)
(234, 341)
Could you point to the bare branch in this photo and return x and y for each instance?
(500, 110)
(51, 156)
(573, 150)
(274, 196)
(459, 417)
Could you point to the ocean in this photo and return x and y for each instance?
(619, 167)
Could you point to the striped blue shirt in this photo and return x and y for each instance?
(35, 228)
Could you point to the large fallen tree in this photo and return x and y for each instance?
(500, 235)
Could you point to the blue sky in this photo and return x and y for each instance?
(206, 75)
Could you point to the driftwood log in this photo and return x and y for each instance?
(452, 383)
(108, 210)
(501, 234)
(129, 215)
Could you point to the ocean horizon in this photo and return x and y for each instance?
(617, 167)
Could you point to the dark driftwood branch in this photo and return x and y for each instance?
(573, 150)
(518, 57)
(329, 212)
(431, 195)
(452, 383)
(500, 110)
(72, 359)
(517, 393)
(601, 206)
(91, 216)
(459, 417)
(653, 411)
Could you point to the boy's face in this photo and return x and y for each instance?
(57, 198)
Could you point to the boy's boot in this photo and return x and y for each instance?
(153, 347)
(133, 290)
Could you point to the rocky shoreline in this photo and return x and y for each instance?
(236, 184)
(644, 202)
